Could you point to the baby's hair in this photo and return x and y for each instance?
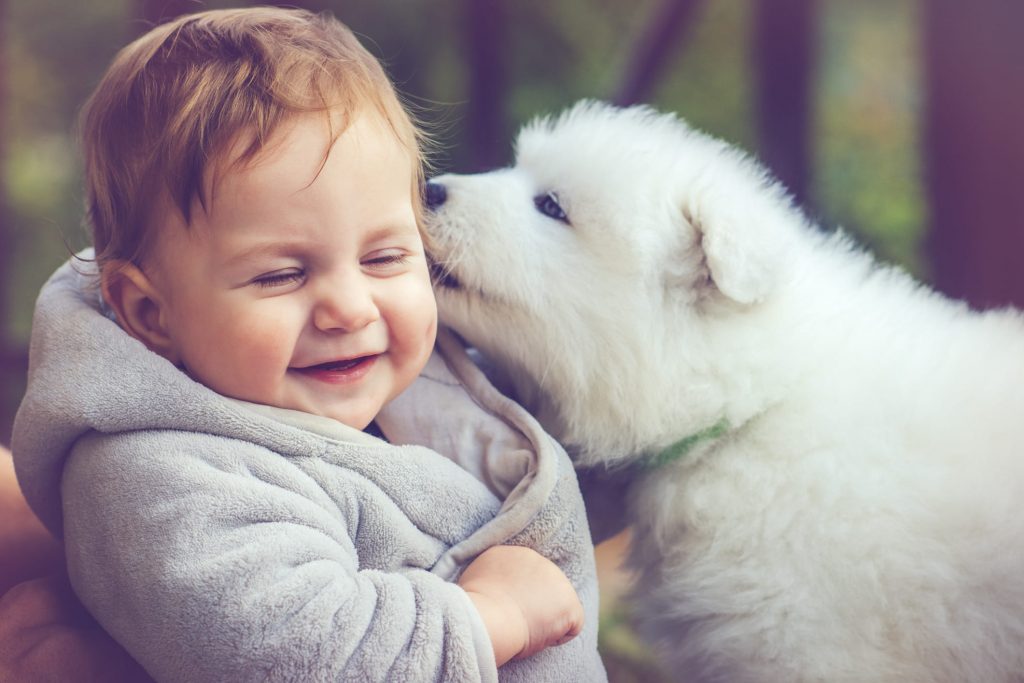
(175, 100)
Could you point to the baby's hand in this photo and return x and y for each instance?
(526, 602)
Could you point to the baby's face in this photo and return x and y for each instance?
(302, 287)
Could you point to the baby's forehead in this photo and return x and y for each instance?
(309, 137)
(252, 179)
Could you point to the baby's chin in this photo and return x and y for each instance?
(354, 414)
(357, 416)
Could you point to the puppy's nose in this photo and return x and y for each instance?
(436, 195)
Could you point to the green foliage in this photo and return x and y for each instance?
(710, 84)
(55, 51)
(869, 101)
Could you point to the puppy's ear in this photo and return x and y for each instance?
(742, 224)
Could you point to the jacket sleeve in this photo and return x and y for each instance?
(215, 566)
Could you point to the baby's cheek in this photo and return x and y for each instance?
(261, 348)
(428, 326)
(267, 351)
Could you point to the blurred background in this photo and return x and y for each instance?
(897, 120)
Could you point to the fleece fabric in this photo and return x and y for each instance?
(219, 540)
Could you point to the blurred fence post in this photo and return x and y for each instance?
(483, 24)
(654, 48)
(297, 4)
(13, 360)
(974, 146)
(154, 12)
(6, 229)
(784, 56)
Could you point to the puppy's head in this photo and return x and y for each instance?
(586, 266)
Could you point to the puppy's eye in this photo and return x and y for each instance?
(548, 205)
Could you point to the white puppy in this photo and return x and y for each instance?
(827, 458)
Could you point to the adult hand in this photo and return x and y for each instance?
(46, 635)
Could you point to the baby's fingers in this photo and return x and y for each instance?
(567, 637)
(573, 627)
(558, 632)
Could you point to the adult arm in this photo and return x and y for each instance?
(45, 634)
(27, 550)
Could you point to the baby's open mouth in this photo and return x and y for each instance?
(338, 365)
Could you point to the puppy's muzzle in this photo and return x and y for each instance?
(441, 275)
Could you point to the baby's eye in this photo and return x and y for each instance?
(280, 278)
(548, 205)
(383, 259)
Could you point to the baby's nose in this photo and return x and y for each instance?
(348, 306)
(436, 194)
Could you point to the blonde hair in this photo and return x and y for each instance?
(172, 102)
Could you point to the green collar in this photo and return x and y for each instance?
(686, 444)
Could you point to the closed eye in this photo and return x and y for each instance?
(280, 278)
(386, 258)
(548, 205)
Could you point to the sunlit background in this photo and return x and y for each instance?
(898, 120)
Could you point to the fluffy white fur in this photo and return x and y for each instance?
(862, 520)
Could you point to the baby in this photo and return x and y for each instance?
(253, 191)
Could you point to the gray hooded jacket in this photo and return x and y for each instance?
(219, 540)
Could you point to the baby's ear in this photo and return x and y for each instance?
(138, 305)
(743, 222)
